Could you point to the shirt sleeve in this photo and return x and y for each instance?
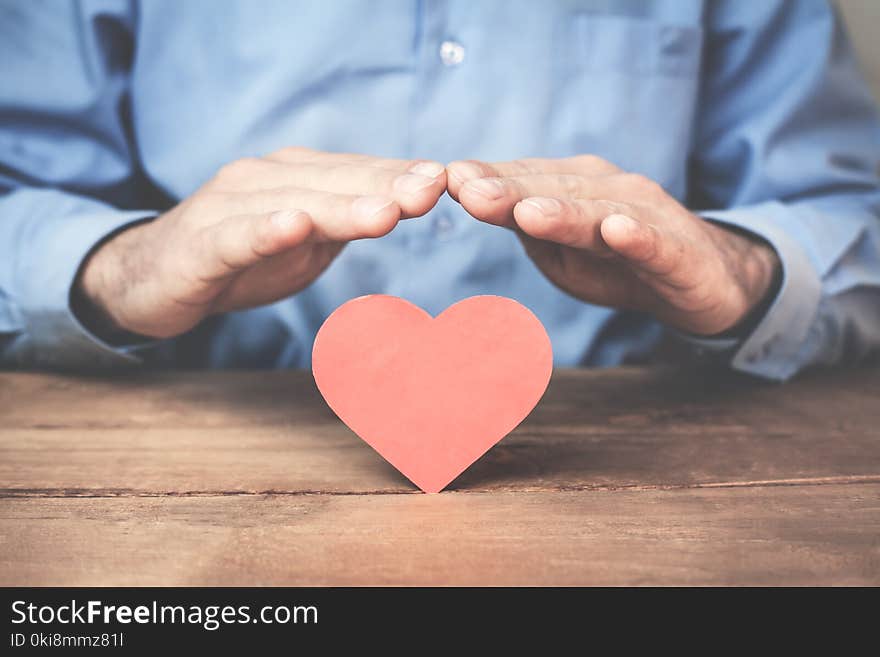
(788, 148)
(68, 174)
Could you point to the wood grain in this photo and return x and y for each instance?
(623, 476)
(766, 535)
(261, 432)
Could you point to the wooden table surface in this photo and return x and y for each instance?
(624, 476)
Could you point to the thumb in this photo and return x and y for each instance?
(242, 241)
(648, 248)
(657, 255)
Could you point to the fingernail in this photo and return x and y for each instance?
(412, 183)
(545, 205)
(491, 188)
(464, 171)
(286, 219)
(430, 169)
(623, 222)
(370, 206)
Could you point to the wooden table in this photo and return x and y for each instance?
(626, 476)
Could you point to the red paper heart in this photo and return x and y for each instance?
(432, 395)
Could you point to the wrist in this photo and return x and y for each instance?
(756, 275)
(102, 284)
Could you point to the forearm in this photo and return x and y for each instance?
(45, 235)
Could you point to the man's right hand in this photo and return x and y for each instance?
(260, 230)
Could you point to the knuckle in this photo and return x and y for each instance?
(336, 173)
(572, 185)
(590, 161)
(202, 203)
(526, 166)
(352, 158)
(643, 184)
(515, 187)
(236, 170)
(613, 207)
(654, 189)
(606, 164)
(637, 179)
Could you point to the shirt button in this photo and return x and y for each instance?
(443, 226)
(451, 53)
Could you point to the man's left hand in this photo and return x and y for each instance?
(618, 239)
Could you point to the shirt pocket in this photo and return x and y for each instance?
(628, 92)
(636, 46)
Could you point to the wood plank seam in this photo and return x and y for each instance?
(18, 493)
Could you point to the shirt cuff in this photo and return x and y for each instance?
(775, 347)
(56, 338)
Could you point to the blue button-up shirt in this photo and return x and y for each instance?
(751, 113)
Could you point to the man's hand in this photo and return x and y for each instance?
(618, 239)
(260, 230)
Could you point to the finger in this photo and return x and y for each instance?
(598, 280)
(656, 253)
(493, 199)
(242, 241)
(303, 155)
(461, 171)
(335, 217)
(416, 189)
(574, 223)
